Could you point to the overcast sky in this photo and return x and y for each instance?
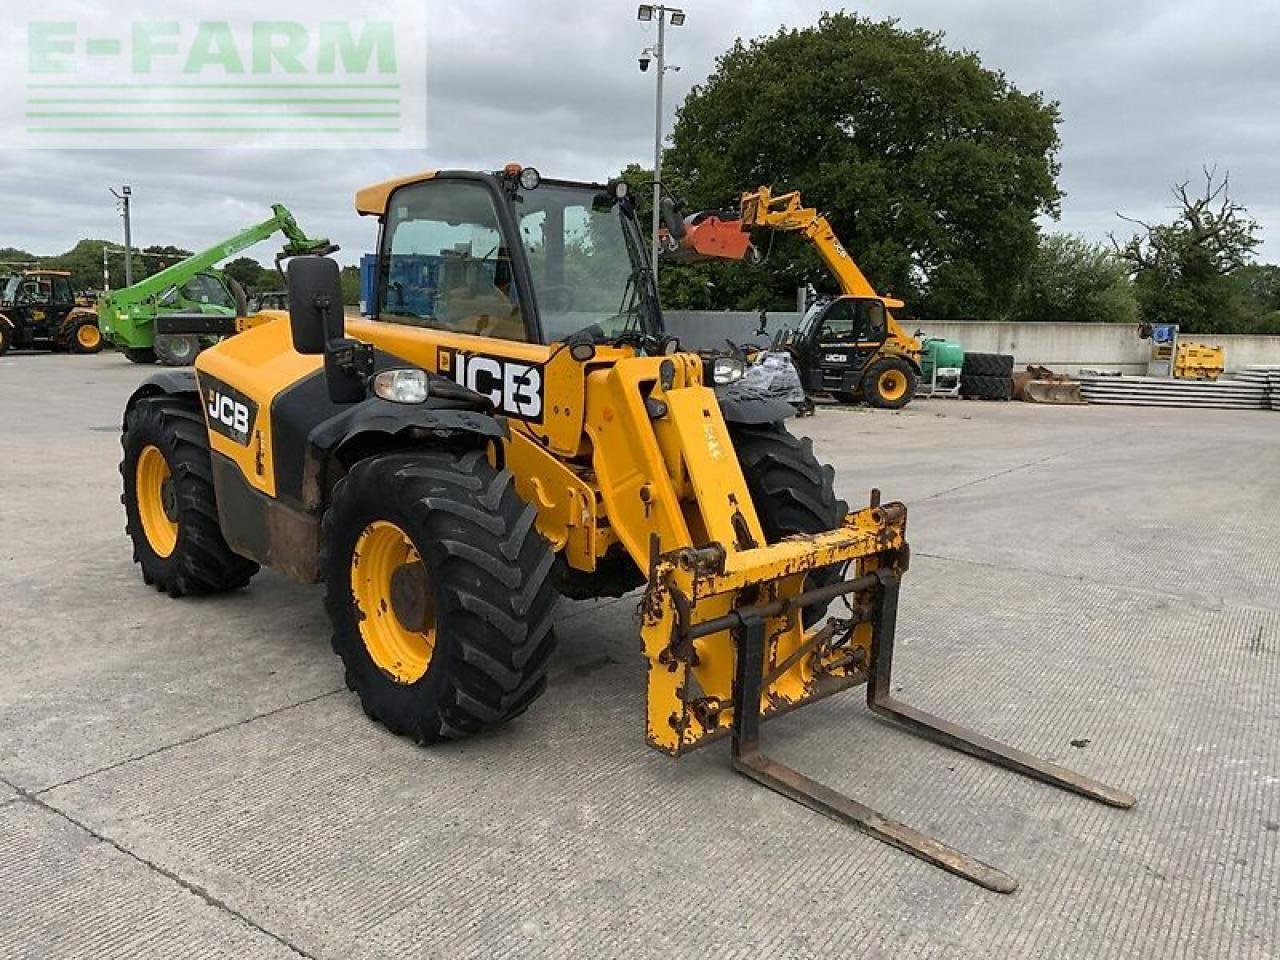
(1150, 91)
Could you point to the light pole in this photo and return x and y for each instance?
(647, 13)
(124, 197)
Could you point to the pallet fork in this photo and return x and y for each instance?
(749, 758)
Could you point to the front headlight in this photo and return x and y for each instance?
(402, 386)
(727, 370)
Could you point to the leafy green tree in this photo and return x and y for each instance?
(1071, 280)
(84, 261)
(931, 167)
(156, 258)
(250, 274)
(1183, 270)
(1260, 285)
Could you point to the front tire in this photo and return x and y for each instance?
(177, 350)
(171, 513)
(439, 593)
(792, 492)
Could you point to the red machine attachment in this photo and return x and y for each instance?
(710, 235)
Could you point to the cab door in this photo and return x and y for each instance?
(35, 299)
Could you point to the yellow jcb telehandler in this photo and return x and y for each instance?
(850, 346)
(514, 422)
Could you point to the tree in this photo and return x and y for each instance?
(350, 279)
(84, 261)
(156, 258)
(1184, 270)
(250, 274)
(932, 168)
(1073, 281)
(12, 256)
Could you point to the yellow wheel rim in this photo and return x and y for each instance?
(157, 501)
(394, 602)
(892, 385)
(88, 336)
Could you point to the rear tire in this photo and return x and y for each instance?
(169, 503)
(466, 645)
(792, 491)
(139, 354)
(6, 339)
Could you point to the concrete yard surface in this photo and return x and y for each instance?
(1100, 586)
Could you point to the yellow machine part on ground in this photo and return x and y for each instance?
(1198, 361)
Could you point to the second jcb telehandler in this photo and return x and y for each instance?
(850, 346)
(38, 309)
(514, 425)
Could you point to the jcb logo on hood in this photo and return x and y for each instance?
(227, 410)
(513, 387)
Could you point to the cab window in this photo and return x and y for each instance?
(204, 289)
(34, 291)
(62, 290)
(856, 319)
(838, 323)
(444, 263)
(871, 323)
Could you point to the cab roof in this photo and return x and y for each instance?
(46, 273)
(372, 201)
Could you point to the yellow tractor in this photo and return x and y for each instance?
(513, 424)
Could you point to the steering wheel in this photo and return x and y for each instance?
(556, 297)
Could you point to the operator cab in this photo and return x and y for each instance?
(38, 289)
(512, 256)
(837, 339)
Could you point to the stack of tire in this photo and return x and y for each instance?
(987, 376)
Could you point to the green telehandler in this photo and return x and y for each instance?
(172, 315)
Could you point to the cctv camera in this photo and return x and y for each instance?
(644, 64)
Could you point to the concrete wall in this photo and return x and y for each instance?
(1064, 347)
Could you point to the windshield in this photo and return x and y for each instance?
(11, 290)
(583, 273)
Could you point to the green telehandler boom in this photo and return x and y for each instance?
(172, 315)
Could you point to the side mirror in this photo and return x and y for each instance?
(315, 303)
(672, 220)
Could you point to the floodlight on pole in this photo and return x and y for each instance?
(646, 13)
(124, 197)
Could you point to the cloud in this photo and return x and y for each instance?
(1150, 91)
